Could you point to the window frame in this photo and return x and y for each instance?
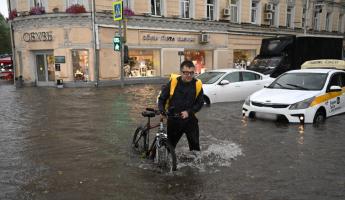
(254, 10)
(290, 20)
(41, 3)
(341, 22)
(316, 20)
(155, 8)
(304, 15)
(275, 15)
(234, 8)
(328, 22)
(210, 7)
(183, 5)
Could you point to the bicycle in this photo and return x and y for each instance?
(161, 151)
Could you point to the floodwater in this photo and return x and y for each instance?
(74, 143)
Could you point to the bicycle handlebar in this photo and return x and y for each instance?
(150, 112)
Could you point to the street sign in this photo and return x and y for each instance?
(117, 10)
(117, 43)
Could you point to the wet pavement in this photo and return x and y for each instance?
(74, 143)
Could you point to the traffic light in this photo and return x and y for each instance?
(125, 54)
(117, 43)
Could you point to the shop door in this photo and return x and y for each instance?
(45, 67)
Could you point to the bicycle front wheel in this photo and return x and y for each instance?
(165, 156)
(139, 141)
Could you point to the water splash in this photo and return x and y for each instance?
(217, 154)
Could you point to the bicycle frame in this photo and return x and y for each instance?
(160, 149)
(161, 135)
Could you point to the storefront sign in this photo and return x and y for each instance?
(60, 59)
(38, 36)
(169, 38)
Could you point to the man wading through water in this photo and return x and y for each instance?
(183, 95)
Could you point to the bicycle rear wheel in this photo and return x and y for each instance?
(166, 157)
(139, 141)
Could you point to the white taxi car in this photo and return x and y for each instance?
(226, 85)
(309, 95)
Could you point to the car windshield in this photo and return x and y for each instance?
(300, 81)
(210, 77)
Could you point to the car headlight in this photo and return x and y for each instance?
(302, 104)
(247, 101)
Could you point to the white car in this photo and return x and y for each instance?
(225, 85)
(300, 96)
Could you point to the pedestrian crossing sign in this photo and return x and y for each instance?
(117, 10)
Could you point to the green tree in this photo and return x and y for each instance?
(5, 37)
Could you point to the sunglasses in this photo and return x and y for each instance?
(187, 73)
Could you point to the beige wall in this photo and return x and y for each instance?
(103, 5)
(221, 59)
(245, 11)
(173, 7)
(80, 35)
(109, 65)
(142, 6)
(171, 61)
(200, 9)
(55, 4)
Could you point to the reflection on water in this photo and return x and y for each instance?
(74, 143)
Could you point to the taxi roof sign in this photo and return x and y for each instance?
(325, 63)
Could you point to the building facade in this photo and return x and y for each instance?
(58, 40)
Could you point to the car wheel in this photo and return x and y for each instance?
(207, 101)
(320, 117)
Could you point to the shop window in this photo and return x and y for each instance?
(198, 58)
(243, 57)
(156, 7)
(185, 8)
(80, 62)
(142, 63)
(51, 67)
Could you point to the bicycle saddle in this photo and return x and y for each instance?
(148, 114)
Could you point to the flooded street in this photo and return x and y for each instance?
(74, 143)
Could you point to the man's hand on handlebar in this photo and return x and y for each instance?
(184, 114)
(163, 115)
